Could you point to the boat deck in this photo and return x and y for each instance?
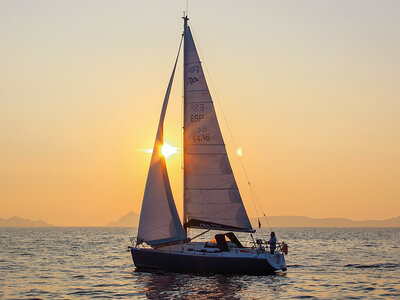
(206, 257)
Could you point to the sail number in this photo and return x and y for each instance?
(197, 138)
(201, 134)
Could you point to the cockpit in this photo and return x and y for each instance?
(224, 242)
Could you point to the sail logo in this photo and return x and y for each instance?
(198, 107)
(194, 69)
(209, 225)
(192, 80)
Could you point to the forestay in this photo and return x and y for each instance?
(212, 199)
(159, 221)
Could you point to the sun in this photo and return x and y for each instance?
(167, 150)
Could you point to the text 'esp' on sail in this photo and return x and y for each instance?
(159, 220)
(212, 198)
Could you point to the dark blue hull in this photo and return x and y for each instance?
(150, 259)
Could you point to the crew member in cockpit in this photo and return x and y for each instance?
(272, 243)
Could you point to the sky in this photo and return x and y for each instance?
(310, 91)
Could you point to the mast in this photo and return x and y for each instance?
(185, 21)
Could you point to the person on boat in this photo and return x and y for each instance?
(272, 243)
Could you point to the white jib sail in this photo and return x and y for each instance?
(159, 220)
(212, 198)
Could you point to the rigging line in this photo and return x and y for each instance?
(182, 134)
(265, 216)
(252, 192)
(177, 57)
(182, 123)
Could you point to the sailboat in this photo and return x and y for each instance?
(211, 198)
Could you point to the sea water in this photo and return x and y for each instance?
(89, 263)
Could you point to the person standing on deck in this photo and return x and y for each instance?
(272, 243)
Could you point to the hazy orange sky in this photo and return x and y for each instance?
(310, 88)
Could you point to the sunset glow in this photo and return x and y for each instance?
(309, 89)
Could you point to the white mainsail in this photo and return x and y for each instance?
(211, 196)
(159, 220)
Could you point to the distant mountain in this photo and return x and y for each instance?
(129, 220)
(132, 220)
(300, 221)
(20, 222)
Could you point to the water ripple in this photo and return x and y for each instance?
(377, 266)
(90, 263)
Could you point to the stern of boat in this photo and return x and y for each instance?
(277, 261)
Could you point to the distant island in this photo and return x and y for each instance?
(20, 222)
(132, 220)
(129, 220)
(301, 221)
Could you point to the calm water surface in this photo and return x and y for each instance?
(90, 263)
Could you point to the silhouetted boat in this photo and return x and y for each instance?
(211, 197)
